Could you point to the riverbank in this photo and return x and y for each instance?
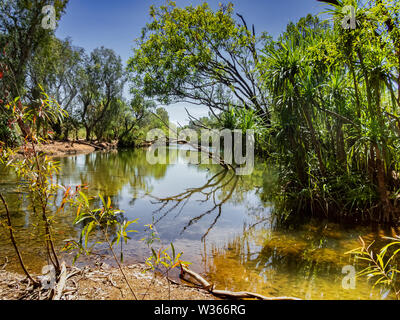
(68, 148)
(102, 283)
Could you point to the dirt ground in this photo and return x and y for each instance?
(68, 148)
(103, 283)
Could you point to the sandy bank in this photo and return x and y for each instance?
(102, 283)
(68, 148)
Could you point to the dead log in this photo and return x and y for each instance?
(96, 147)
(228, 294)
(61, 282)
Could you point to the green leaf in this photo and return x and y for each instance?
(173, 250)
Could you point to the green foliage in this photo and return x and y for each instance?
(321, 98)
(56, 67)
(142, 124)
(104, 219)
(195, 54)
(163, 258)
(21, 34)
(101, 83)
(333, 109)
(7, 135)
(383, 266)
(36, 173)
(242, 119)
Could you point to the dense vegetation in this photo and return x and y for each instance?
(323, 98)
(88, 86)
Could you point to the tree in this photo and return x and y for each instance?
(335, 122)
(55, 68)
(101, 83)
(199, 56)
(21, 35)
(133, 115)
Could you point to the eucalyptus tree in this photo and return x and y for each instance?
(55, 68)
(199, 56)
(21, 35)
(131, 118)
(101, 82)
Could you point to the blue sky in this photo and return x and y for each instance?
(116, 23)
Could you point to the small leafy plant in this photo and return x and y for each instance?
(35, 171)
(382, 267)
(163, 260)
(102, 219)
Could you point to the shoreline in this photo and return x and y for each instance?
(102, 283)
(70, 148)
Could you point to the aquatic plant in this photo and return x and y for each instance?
(382, 266)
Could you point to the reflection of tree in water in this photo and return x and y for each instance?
(306, 260)
(104, 173)
(217, 191)
(108, 173)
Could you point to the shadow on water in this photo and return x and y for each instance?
(221, 222)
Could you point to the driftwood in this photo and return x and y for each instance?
(61, 282)
(227, 294)
(5, 264)
(198, 147)
(96, 147)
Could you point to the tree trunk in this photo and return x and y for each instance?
(341, 153)
(13, 241)
(398, 80)
(88, 132)
(388, 210)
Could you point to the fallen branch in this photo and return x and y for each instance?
(5, 264)
(199, 147)
(89, 144)
(227, 294)
(61, 282)
(14, 242)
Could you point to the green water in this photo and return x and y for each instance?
(220, 221)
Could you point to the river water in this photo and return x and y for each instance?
(223, 224)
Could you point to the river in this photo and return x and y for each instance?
(222, 222)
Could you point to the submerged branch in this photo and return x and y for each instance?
(14, 243)
(228, 294)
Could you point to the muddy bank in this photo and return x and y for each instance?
(102, 283)
(68, 148)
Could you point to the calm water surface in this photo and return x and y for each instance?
(220, 221)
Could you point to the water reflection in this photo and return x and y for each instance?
(305, 262)
(216, 192)
(221, 221)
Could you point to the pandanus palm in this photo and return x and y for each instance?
(281, 65)
(294, 82)
(368, 52)
(331, 93)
